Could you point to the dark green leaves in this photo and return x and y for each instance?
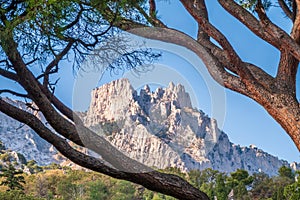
(250, 4)
(12, 178)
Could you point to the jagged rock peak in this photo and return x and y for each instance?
(157, 128)
(110, 101)
(118, 100)
(147, 88)
(20, 138)
(162, 129)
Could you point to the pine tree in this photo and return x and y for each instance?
(12, 178)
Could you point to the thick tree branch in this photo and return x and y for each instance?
(202, 35)
(66, 111)
(227, 57)
(264, 29)
(9, 75)
(294, 8)
(166, 183)
(215, 68)
(31, 85)
(218, 36)
(295, 34)
(285, 9)
(286, 73)
(260, 10)
(90, 140)
(77, 134)
(247, 19)
(288, 65)
(56, 102)
(152, 8)
(198, 9)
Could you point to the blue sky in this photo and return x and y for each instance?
(245, 121)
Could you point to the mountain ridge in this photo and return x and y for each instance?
(163, 122)
(159, 128)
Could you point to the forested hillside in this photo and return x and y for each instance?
(56, 182)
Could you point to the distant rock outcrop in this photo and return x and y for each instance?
(162, 129)
(20, 138)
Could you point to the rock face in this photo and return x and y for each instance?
(159, 128)
(162, 129)
(20, 138)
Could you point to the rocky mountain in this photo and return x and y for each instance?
(159, 128)
(9, 156)
(20, 138)
(162, 129)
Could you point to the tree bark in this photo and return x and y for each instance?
(121, 165)
(285, 110)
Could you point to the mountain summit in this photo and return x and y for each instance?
(162, 129)
(158, 128)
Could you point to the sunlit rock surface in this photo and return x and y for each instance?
(161, 128)
(158, 128)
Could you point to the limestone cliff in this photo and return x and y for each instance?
(159, 128)
(18, 137)
(162, 129)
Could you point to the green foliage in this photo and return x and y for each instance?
(122, 190)
(33, 166)
(56, 183)
(2, 146)
(12, 178)
(210, 181)
(221, 189)
(261, 186)
(238, 181)
(5, 157)
(278, 194)
(195, 178)
(16, 195)
(97, 190)
(22, 158)
(292, 192)
(175, 171)
(198, 178)
(69, 190)
(43, 28)
(149, 195)
(250, 4)
(52, 166)
(286, 172)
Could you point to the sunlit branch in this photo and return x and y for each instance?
(237, 66)
(285, 9)
(265, 29)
